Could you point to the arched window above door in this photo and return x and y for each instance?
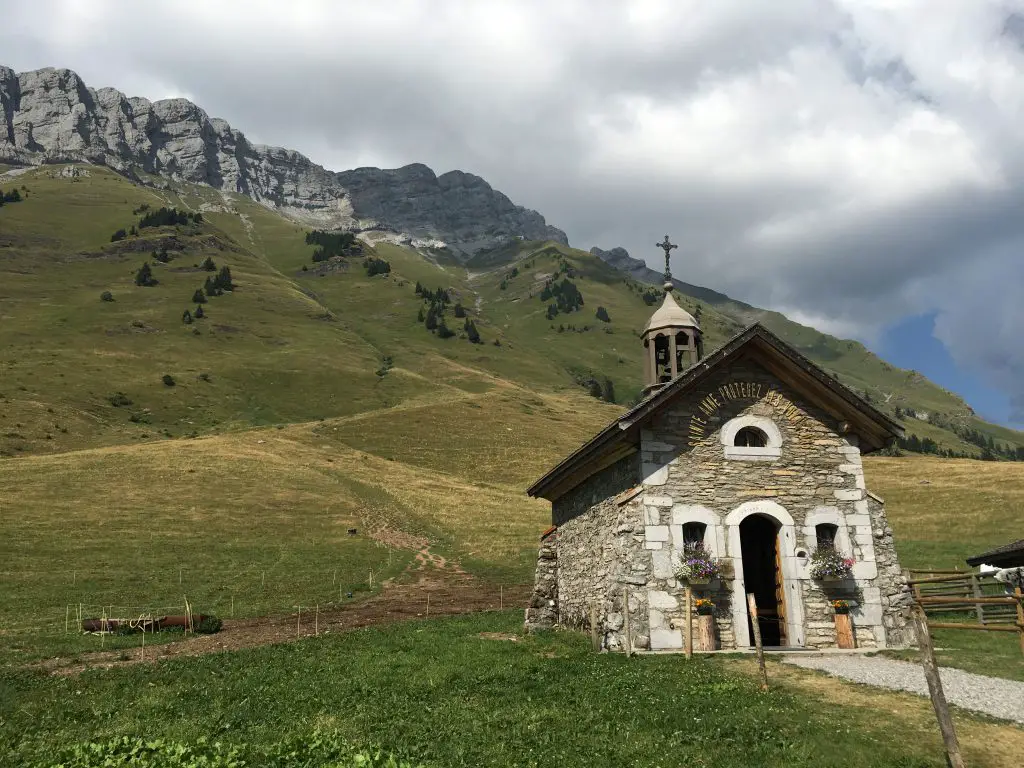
(751, 438)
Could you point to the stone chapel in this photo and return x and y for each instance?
(753, 451)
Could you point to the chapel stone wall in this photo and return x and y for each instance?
(814, 476)
(599, 532)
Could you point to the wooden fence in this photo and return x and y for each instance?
(968, 585)
(964, 592)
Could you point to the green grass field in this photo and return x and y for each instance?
(472, 692)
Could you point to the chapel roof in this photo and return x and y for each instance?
(1007, 556)
(620, 438)
(670, 315)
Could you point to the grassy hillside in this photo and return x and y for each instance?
(310, 401)
(293, 344)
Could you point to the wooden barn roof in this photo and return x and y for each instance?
(1006, 556)
(622, 436)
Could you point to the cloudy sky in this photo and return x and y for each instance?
(856, 164)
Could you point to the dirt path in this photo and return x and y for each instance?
(431, 586)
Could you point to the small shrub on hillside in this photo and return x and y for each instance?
(209, 625)
(199, 314)
(118, 235)
(119, 400)
(602, 315)
(106, 296)
(186, 317)
(386, 365)
(209, 265)
(168, 380)
(204, 377)
(471, 332)
(459, 311)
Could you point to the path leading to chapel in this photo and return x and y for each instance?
(989, 695)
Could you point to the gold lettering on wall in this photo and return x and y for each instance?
(741, 390)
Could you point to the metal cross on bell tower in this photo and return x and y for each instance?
(667, 246)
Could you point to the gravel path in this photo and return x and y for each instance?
(990, 695)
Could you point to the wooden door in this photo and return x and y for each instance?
(780, 591)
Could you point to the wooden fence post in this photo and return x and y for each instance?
(594, 640)
(1020, 615)
(931, 674)
(625, 614)
(689, 621)
(752, 608)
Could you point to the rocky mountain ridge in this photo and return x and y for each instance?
(50, 116)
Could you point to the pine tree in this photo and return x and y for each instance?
(431, 321)
(419, 288)
(602, 315)
(209, 265)
(144, 276)
(198, 297)
(443, 330)
(459, 311)
(186, 317)
(223, 279)
(199, 314)
(472, 333)
(421, 316)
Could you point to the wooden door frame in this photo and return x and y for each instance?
(791, 569)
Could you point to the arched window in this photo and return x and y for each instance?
(825, 534)
(693, 533)
(750, 437)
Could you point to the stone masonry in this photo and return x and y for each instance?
(609, 540)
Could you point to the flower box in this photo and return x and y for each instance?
(829, 565)
(696, 566)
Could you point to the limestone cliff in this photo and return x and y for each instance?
(51, 116)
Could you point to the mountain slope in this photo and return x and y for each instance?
(50, 115)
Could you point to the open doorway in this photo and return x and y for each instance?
(762, 575)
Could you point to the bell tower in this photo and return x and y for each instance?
(672, 337)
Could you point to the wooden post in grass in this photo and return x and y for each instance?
(316, 621)
(689, 621)
(1020, 615)
(594, 641)
(931, 674)
(67, 618)
(501, 597)
(752, 608)
(625, 614)
(979, 608)
(428, 605)
(298, 622)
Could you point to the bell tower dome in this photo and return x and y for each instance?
(672, 337)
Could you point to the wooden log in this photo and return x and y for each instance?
(966, 600)
(939, 579)
(978, 627)
(931, 674)
(937, 570)
(595, 641)
(844, 631)
(752, 608)
(706, 640)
